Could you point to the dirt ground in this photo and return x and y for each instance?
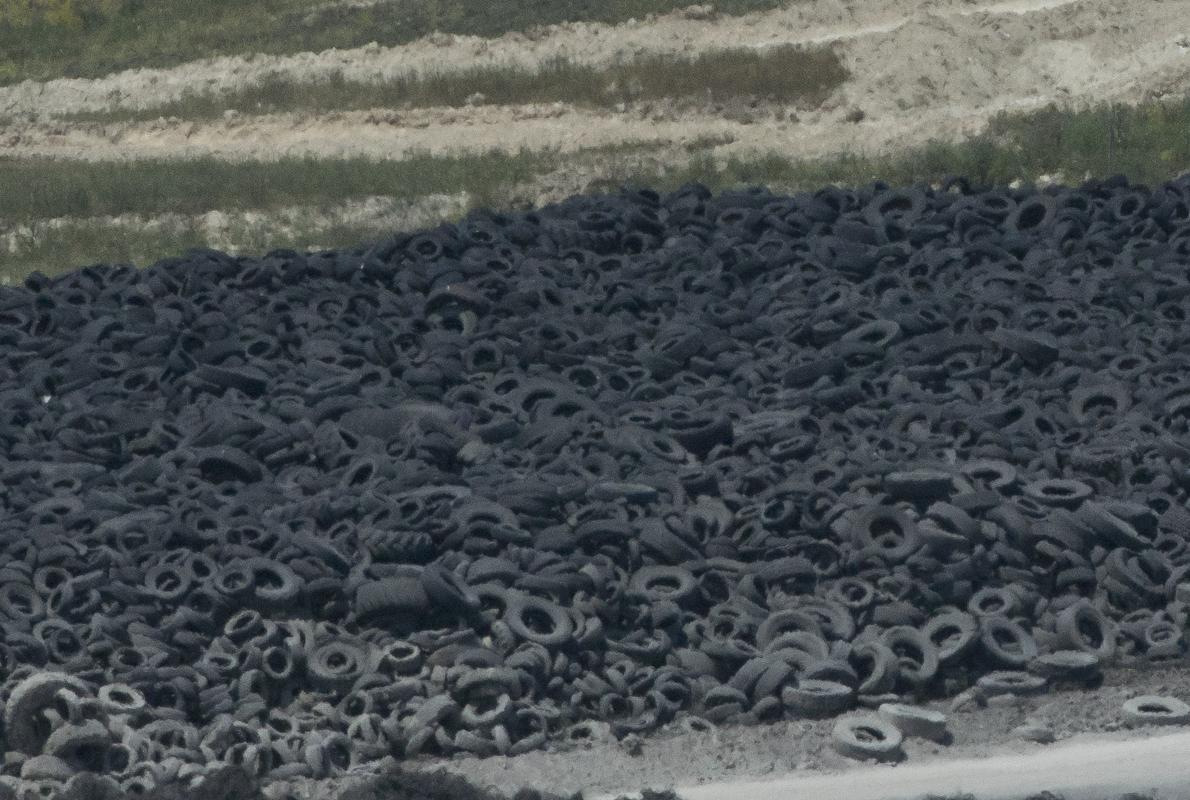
(677, 756)
(921, 69)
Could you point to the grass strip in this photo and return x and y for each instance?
(784, 74)
(97, 37)
(1148, 143)
(82, 242)
(42, 188)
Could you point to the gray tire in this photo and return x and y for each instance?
(922, 723)
(1152, 709)
(867, 736)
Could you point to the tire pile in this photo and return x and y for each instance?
(587, 470)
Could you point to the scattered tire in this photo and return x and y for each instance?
(1155, 710)
(916, 721)
(867, 737)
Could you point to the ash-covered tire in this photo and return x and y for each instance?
(83, 746)
(917, 657)
(25, 728)
(867, 737)
(337, 664)
(1006, 643)
(536, 620)
(815, 699)
(1155, 710)
(923, 723)
(1066, 665)
(1082, 626)
(446, 589)
(955, 634)
(876, 667)
(1011, 682)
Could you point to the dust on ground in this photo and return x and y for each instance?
(678, 755)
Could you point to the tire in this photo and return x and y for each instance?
(815, 699)
(991, 601)
(867, 737)
(446, 589)
(24, 728)
(657, 583)
(876, 666)
(1155, 710)
(782, 622)
(887, 532)
(917, 657)
(1011, 682)
(955, 634)
(1066, 665)
(337, 664)
(1006, 643)
(916, 721)
(522, 610)
(391, 596)
(1081, 626)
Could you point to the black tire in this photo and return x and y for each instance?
(337, 664)
(657, 583)
(1006, 643)
(536, 620)
(446, 589)
(955, 634)
(917, 657)
(887, 532)
(781, 622)
(25, 729)
(390, 596)
(876, 667)
(1081, 626)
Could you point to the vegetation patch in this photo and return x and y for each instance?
(784, 74)
(41, 188)
(45, 39)
(1148, 143)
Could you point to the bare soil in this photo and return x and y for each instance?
(679, 756)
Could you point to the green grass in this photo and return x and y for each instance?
(784, 74)
(83, 242)
(1149, 144)
(162, 33)
(40, 188)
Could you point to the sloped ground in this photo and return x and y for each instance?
(677, 756)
